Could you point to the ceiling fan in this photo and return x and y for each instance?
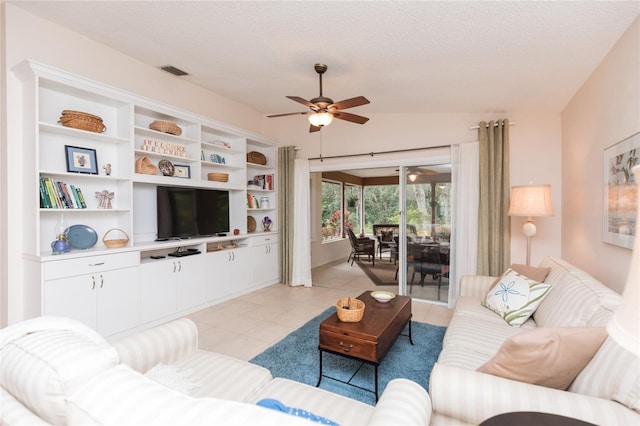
(414, 172)
(323, 110)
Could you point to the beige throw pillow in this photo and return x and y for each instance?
(531, 272)
(550, 357)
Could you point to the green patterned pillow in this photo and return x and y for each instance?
(515, 297)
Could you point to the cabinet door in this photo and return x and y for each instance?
(73, 297)
(265, 264)
(217, 275)
(190, 281)
(241, 269)
(157, 289)
(117, 304)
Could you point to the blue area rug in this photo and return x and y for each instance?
(296, 357)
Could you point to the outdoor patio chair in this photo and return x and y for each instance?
(361, 246)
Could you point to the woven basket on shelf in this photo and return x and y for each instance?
(165, 126)
(144, 166)
(218, 177)
(115, 242)
(350, 309)
(82, 121)
(256, 158)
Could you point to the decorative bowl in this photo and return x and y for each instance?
(382, 296)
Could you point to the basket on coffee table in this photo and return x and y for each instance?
(350, 309)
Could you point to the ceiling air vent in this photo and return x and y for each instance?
(173, 70)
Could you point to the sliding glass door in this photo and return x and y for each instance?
(426, 221)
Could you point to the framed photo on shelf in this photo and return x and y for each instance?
(619, 225)
(81, 160)
(182, 171)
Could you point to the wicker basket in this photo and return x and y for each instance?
(350, 309)
(82, 121)
(256, 158)
(166, 127)
(115, 242)
(144, 166)
(218, 177)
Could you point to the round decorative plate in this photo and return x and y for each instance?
(81, 236)
(251, 224)
(382, 296)
(166, 167)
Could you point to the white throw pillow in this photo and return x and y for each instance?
(515, 297)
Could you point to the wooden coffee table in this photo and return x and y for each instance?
(369, 339)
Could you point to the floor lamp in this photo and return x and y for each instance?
(530, 201)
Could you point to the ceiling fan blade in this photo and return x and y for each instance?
(350, 103)
(302, 101)
(289, 113)
(350, 117)
(313, 128)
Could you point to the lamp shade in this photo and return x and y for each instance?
(624, 327)
(531, 200)
(320, 119)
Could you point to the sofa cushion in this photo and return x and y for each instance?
(45, 358)
(172, 377)
(221, 376)
(338, 408)
(613, 373)
(515, 297)
(575, 297)
(550, 357)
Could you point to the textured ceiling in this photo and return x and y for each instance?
(422, 57)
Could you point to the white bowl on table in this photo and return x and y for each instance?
(382, 296)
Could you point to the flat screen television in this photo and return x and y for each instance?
(191, 212)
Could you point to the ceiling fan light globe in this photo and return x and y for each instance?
(320, 119)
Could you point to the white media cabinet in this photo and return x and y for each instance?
(120, 290)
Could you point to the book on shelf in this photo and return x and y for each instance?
(59, 195)
(264, 181)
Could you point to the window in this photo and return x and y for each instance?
(381, 205)
(331, 210)
(352, 213)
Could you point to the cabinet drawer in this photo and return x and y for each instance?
(87, 265)
(264, 240)
(347, 345)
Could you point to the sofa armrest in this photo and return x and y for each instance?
(164, 344)
(473, 397)
(403, 402)
(475, 285)
(14, 413)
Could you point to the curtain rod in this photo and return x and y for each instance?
(511, 123)
(371, 154)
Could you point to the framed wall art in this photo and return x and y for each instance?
(81, 160)
(181, 171)
(619, 225)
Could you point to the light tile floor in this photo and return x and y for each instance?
(249, 324)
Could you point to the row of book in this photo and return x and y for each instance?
(59, 195)
(264, 181)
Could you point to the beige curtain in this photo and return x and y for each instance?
(286, 157)
(494, 226)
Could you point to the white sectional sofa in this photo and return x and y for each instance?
(605, 392)
(58, 371)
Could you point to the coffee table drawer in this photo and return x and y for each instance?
(357, 348)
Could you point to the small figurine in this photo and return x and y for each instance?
(104, 199)
(266, 224)
(107, 169)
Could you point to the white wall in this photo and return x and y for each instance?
(603, 112)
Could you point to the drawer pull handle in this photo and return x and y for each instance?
(96, 264)
(344, 348)
(101, 281)
(93, 280)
